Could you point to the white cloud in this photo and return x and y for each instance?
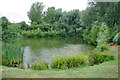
(16, 10)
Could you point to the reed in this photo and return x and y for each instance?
(64, 62)
(11, 54)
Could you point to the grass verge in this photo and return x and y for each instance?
(105, 70)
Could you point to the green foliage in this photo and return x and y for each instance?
(94, 34)
(59, 62)
(88, 16)
(10, 32)
(112, 34)
(35, 13)
(24, 26)
(69, 61)
(77, 61)
(39, 65)
(100, 57)
(11, 54)
(86, 34)
(4, 23)
(103, 37)
(101, 12)
(49, 15)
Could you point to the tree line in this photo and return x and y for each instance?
(75, 23)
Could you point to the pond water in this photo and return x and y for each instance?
(44, 49)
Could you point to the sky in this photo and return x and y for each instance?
(16, 10)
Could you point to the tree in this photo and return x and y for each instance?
(10, 31)
(58, 14)
(49, 15)
(35, 13)
(24, 26)
(72, 17)
(103, 12)
(4, 22)
(89, 16)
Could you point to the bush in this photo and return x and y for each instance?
(102, 47)
(40, 65)
(103, 37)
(86, 34)
(69, 61)
(100, 57)
(112, 34)
(93, 34)
(12, 33)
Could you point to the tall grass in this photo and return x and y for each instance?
(69, 61)
(39, 65)
(11, 54)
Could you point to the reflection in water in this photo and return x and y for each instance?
(46, 49)
(27, 57)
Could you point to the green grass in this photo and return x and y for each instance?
(105, 70)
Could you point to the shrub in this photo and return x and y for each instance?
(103, 37)
(39, 65)
(112, 34)
(86, 34)
(11, 33)
(108, 56)
(93, 34)
(102, 47)
(100, 57)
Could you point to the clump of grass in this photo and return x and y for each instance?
(69, 61)
(59, 62)
(77, 61)
(11, 54)
(40, 65)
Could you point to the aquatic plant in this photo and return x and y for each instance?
(11, 54)
(39, 65)
(69, 61)
(59, 62)
(77, 60)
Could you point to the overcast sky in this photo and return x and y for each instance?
(16, 10)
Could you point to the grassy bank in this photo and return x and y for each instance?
(105, 70)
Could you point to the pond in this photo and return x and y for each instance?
(44, 49)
